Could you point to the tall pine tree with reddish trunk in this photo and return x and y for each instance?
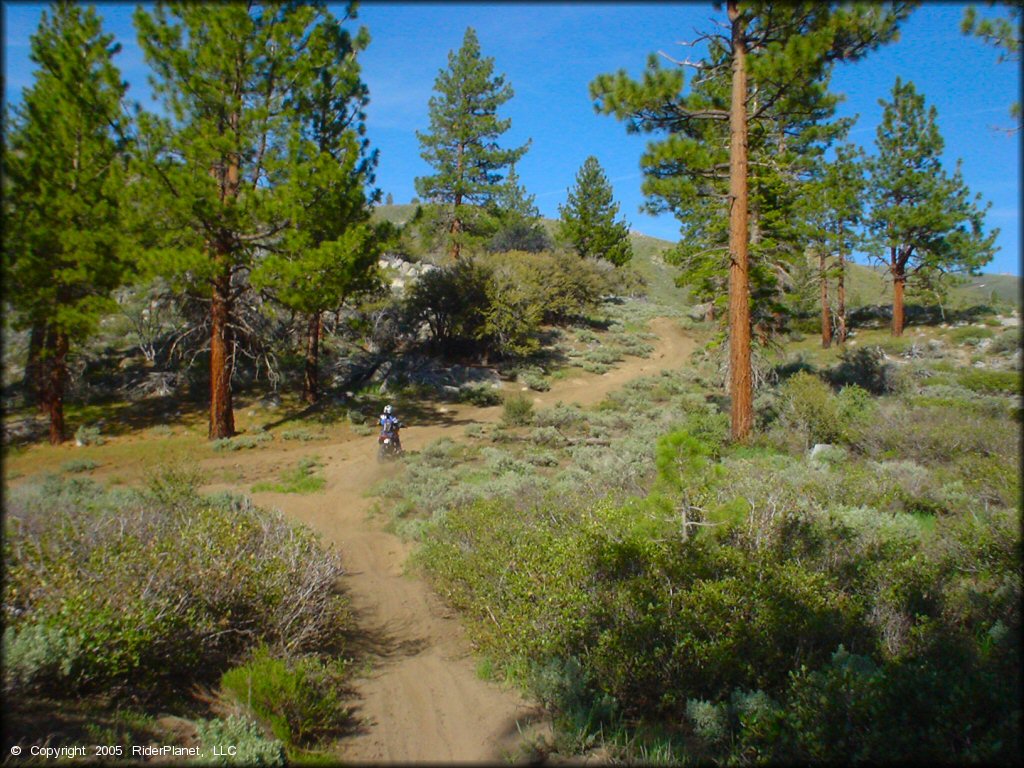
(922, 220)
(833, 208)
(218, 169)
(329, 252)
(64, 181)
(777, 58)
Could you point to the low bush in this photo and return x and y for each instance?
(979, 380)
(299, 699)
(517, 411)
(810, 408)
(302, 435)
(252, 747)
(970, 333)
(133, 588)
(866, 367)
(88, 436)
(482, 395)
(535, 380)
(1007, 342)
(79, 465)
(241, 442)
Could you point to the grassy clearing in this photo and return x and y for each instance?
(301, 479)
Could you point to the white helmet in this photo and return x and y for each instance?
(387, 410)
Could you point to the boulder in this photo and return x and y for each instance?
(698, 311)
(826, 452)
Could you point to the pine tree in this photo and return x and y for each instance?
(922, 220)
(219, 171)
(517, 219)
(1003, 33)
(461, 144)
(328, 254)
(833, 208)
(588, 217)
(774, 65)
(63, 182)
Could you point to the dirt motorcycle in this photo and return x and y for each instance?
(388, 444)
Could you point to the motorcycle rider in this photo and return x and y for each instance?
(389, 425)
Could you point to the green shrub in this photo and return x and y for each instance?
(499, 462)
(980, 380)
(157, 584)
(251, 746)
(810, 407)
(970, 334)
(36, 655)
(1008, 341)
(88, 436)
(300, 434)
(241, 442)
(517, 411)
(298, 699)
(481, 395)
(79, 465)
(866, 367)
(535, 380)
(603, 355)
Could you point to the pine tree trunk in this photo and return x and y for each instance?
(740, 384)
(899, 282)
(53, 385)
(222, 417)
(310, 382)
(826, 320)
(456, 229)
(841, 298)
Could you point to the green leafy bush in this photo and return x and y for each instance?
(482, 395)
(251, 746)
(535, 380)
(517, 411)
(866, 367)
(980, 380)
(299, 699)
(88, 436)
(810, 407)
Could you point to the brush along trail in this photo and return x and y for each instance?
(417, 696)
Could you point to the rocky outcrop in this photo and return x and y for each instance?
(401, 272)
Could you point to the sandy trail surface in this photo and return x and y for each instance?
(417, 695)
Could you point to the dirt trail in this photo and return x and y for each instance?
(420, 698)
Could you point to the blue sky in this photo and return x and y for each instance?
(550, 53)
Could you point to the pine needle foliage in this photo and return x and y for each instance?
(588, 217)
